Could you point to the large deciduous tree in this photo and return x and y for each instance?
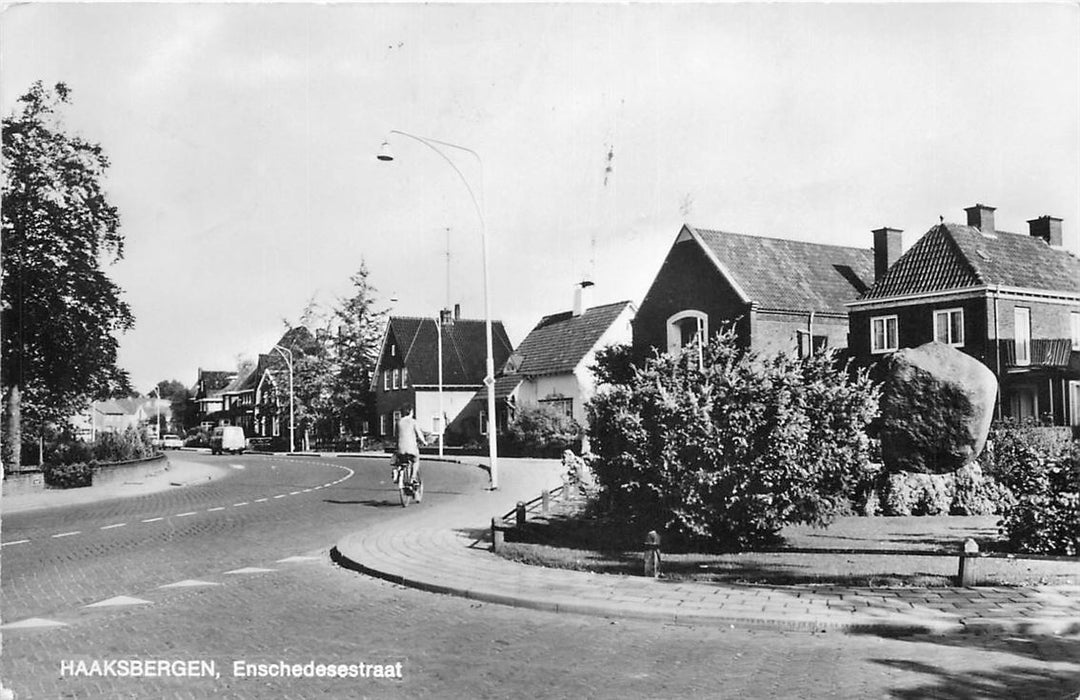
(60, 310)
(359, 332)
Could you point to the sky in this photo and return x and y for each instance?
(242, 141)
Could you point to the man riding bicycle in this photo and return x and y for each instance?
(409, 439)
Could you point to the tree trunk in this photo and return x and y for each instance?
(11, 454)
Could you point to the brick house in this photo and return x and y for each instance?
(782, 295)
(1010, 300)
(407, 371)
(551, 367)
(209, 385)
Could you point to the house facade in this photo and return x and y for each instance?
(407, 371)
(1010, 300)
(781, 295)
(552, 366)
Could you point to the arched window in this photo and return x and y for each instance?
(684, 327)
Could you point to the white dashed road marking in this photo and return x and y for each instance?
(237, 466)
(281, 495)
(261, 500)
(189, 583)
(152, 520)
(184, 515)
(118, 600)
(212, 510)
(32, 622)
(7, 544)
(110, 527)
(67, 534)
(249, 570)
(237, 505)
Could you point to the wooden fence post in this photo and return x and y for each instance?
(519, 512)
(496, 537)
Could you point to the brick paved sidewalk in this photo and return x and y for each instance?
(445, 549)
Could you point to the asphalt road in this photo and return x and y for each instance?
(252, 584)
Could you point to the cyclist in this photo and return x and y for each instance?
(409, 439)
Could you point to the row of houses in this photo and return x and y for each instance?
(1010, 300)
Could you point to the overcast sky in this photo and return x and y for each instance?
(242, 141)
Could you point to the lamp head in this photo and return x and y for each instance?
(384, 152)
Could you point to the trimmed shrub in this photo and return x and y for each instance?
(1046, 516)
(964, 492)
(726, 454)
(541, 432)
(68, 476)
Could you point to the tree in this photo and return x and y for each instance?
(60, 311)
(356, 349)
(180, 402)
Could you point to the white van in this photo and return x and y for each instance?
(228, 438)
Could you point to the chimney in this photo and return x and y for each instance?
(1047, 228)
(888, 244)
(457, 312)
(581, 297)
(981, 217)
(446, 317)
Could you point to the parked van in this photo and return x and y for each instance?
(227, 438)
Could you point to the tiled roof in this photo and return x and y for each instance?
(504, 386)
(464, 349)
(559, 342)
(778, 273)
(954, 256)
(214, 380)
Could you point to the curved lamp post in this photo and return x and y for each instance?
(489, 380)
(292, 423)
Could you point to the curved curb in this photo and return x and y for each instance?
(614, 610)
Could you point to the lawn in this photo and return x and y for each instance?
(859, 551)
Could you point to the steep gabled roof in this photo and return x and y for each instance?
(778, 273)
(214, 381)
(559, 342)
(954, 256)
(464, 348)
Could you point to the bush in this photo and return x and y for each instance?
(1046, 516)
(1016, 450)
(727, 454)
(68, 476)
(131, 444)
(541, 432)
(964, 492)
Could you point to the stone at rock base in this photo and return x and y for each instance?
(936, 409)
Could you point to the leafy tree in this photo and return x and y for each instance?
(541, 432)
(180, 402)
(726, 454)
(614, 365)
(356, 348)
(60, 311)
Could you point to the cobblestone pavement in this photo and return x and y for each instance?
(263, 591)
(450, 647)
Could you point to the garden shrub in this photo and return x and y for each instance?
(1046, 516)
(541, 432)
(68, 476)
(726, 454)
(964, 492)
(131, 444)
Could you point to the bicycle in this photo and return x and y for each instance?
(408, 490)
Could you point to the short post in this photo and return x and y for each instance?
(496, 537)
(519, 513)
(545, 501)
(969, 554)
(652, 554)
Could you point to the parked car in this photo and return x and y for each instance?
(169, 441)
(228, 438)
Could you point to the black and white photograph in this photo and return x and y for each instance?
(540, 349)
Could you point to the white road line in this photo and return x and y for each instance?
(184, 515)
(211, 510)
(261, 500)
(152, 520)
(237, 505)
(281, 495)
(109, 527)
(14, 542)
(67, 534)
(306, 491)
(293, 493)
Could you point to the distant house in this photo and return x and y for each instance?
(407, 371)
(207, 391)
(1010, 300)
(551, 367)
(784, 295)
(117, 415)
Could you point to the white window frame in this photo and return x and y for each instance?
(1022, 335)
(404, 377)
(947, 314)
(874, 349)
(396, 381)
(483, 421)
(1074, 319)
(386, 380)
(674, 332)
(382, 423)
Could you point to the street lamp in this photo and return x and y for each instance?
(292, 423)
(489, 380)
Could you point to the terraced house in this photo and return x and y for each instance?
(1011, 300)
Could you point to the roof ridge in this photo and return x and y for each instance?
(778, 238)
(959, 250)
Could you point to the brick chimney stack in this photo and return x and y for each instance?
(888, 244)
(981, 217)
(1047, 228)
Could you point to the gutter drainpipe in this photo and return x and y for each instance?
(997, 349)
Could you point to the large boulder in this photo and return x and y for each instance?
(936, 409)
